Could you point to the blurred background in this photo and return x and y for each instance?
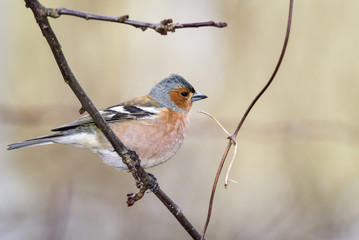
(297, 165)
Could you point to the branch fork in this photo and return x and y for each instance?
(233, 136)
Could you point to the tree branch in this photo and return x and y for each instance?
(162, 28)
(232, 138)
(144, 180)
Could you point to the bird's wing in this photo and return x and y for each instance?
(132, 110)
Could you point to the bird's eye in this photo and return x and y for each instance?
(184, 93)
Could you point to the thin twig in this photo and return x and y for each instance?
(235, 148)
(219, 124)
(130, 158)
(163, 27)
(214, 187)
(226, 180)
(244, 118)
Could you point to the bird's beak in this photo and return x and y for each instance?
(198, 96)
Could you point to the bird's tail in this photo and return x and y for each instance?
(48, 139)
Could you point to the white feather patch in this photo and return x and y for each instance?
(150, 109)
(118, 109)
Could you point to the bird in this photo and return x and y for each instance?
(154, 125)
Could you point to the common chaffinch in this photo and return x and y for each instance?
(154, 125)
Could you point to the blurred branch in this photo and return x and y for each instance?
(143, 180)
(162, 28)
(232, 138)
(289, 131)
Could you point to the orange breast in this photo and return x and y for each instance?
(154, 140)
